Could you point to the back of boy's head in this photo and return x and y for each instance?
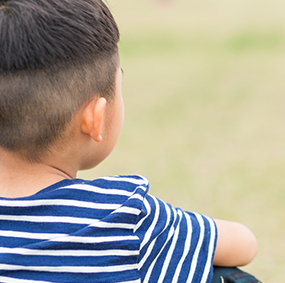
(55, 55)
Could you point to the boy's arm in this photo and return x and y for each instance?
(236, 245)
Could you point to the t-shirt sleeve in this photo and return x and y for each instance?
(175, 246)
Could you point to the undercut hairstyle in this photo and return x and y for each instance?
(55, 55)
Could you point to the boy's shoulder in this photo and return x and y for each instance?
(105, 189)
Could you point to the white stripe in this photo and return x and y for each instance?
(39, 236)
(186, 248)
(142, 181)
(59, 202)
(211, 250)
(98, 190)
(197, 250)
(93, 253)
(171, 249)
(5, 279)
(126, 209)
(71, 269)
(93, 240)
(101, 224)
(67, 238)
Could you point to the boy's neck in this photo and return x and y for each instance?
(20, 179)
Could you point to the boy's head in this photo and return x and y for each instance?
(55, 55)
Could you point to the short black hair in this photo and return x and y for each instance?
(55, 55)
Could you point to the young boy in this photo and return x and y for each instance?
(61, 110)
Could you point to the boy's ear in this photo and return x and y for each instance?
(92, 118)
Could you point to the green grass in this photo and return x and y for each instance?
(204, 96)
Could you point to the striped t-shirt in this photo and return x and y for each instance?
(108, 230)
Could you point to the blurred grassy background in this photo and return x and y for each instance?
(205, 121)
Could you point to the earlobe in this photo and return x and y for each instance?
(93, 118)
